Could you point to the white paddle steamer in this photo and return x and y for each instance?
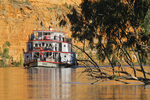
(48, 48)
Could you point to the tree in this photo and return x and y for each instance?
(112, 21)
(146, 23)
(5, 54)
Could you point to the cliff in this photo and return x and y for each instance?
(18, 19)
(49, 2)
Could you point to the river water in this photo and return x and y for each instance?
(17, 83)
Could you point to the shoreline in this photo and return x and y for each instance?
(110, 66)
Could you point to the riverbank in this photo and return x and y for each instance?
(115, 81)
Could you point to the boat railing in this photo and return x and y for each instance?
(43, 49)
(51, 59)
(55, 38)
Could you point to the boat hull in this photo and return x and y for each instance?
(47, 64)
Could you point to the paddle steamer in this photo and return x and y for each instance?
(49, 48)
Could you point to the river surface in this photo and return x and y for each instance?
(17, 83)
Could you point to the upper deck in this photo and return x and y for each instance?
(49, 35)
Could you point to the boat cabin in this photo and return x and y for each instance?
(51, 46)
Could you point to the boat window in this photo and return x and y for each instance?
(54, 55)
(27, 58)
(63, 39)
(29, 47)
(50, 53)
(42, 44)
(36, 55)
(50, 44)
(39, 45)
(64, 45)
(46, 54)
(55, 47)
(36, 45)
(55, 37)
(59, 37)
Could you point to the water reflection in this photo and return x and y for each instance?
(62, 84)
(47, 83)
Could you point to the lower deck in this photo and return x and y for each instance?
(47, 64)
(49, 59)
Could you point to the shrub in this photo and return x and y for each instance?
(5, 54)
(16, 64)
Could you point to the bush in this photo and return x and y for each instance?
(16, 64)
(4, 55)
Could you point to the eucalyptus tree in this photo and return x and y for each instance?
(146, 22)
(114, 24)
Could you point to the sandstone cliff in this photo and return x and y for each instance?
(49, 2)
(18, 18)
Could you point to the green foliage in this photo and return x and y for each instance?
(5, 54)
(67, 6)
(19, 2)
(0, 52)
(2, 63)
(115, 77)
(27, 2)
(21, 60)
(53, 8)
(114, 60)
(16, 64)
(100, 55)
(146, 23)
(109, 49)
(7, 44)
(15, 1)
(49, 9)
(108, 20)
